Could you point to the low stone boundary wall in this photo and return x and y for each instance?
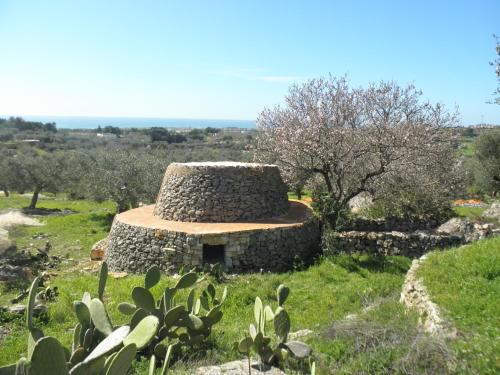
(389, 224)
(414, 295)
(410, 244)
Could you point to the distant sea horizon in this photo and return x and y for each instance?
(92, 122)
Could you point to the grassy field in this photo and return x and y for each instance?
(468, 147)
(349, 302)
(320, 295)
(473, 213)
(70, 235)
(465, 283)
(306, 195)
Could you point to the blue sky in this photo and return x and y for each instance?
(230, 59)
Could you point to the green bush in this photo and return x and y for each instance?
(412, 207)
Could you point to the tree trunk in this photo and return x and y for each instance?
(34, 198)
(328, 183)
(122, 206)
(6, 192)
(298, 193)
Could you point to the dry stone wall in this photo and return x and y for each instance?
(221, 192)
(414, 294)
(389, 224)
(410, 244)
(135, 249)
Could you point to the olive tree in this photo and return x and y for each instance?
(487, 157)
(353, 138)
(36, 171)
(5, 179)
(125, 176)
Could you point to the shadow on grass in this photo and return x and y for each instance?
(41, 211)
(103, 220)
(369, 342)
(363, 262)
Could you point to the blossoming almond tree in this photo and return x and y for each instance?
(353, 137)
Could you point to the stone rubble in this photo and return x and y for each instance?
(414, 295)
(239, 368)
(465, 229)
(493, 212)
(99, 249)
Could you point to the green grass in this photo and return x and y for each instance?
(349, 301)
(305, 194)
(320, 295)
(469, 147)
(70, 235)
(465, 283)
(473, 213)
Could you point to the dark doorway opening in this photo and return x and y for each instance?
(213, 254)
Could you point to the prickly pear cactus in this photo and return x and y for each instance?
(143, 333)
(103, 277)
(187, 281)
(31, 302)
(121, 362)
(110, 344)
(282, 294)
(261, 344)
(100, 317)
(152, 277)
(143, 298)
(281, 324)
(48, 358)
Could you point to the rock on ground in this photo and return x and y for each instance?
(12, 218)
(38, 310)
(99, 249)
(239, 368)
(493, 212)
(300, 334)
(5, 243)
(466, 229)
(360, 202)
(414, 295)
(4, 331)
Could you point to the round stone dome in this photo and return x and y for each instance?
(221, 192)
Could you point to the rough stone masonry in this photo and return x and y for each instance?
(221, 192)
(235, 213)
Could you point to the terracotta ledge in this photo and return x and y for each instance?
(298, 214)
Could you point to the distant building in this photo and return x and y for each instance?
(105, 135)
(485, 126)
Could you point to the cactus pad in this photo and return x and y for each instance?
(143, 298)
(100, 317)
(143, 333)
(110, 343)
(282, 294)
(152, 277)
(122, 360)
(127, 308)
(48, 358)
(187, 281)
(281, 324)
